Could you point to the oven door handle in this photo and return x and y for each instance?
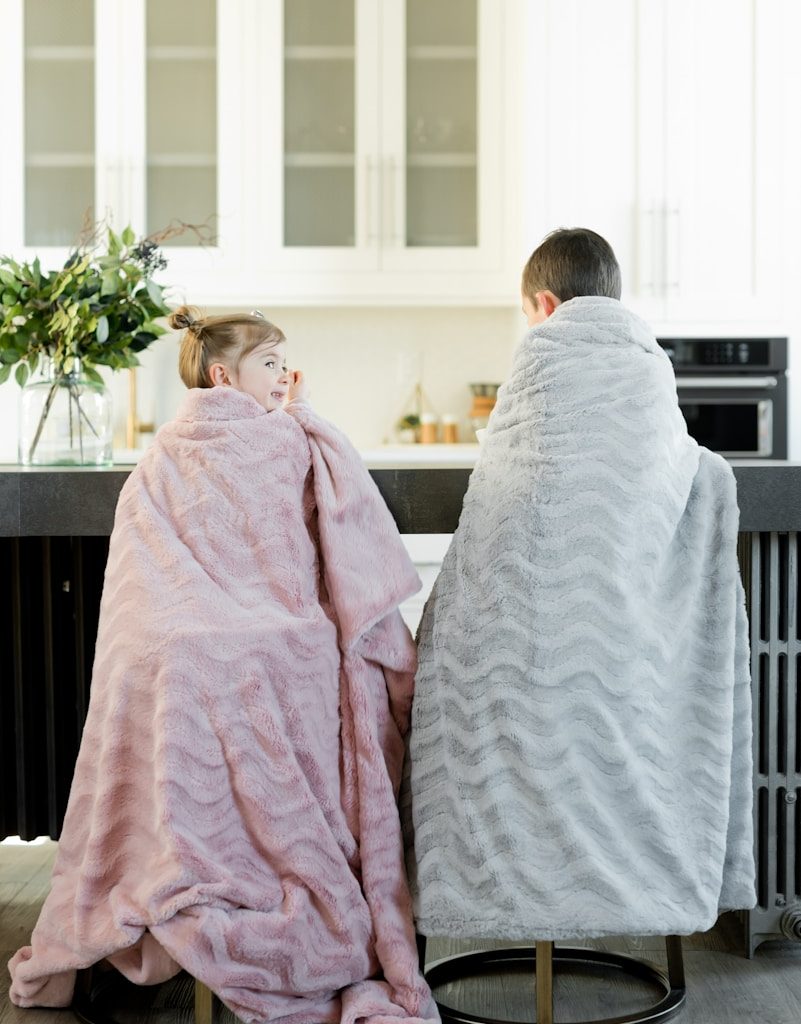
(726, 383)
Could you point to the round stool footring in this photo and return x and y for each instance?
(466, 965)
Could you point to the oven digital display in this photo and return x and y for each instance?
(734, 352)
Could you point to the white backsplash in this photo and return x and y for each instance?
(361, 365)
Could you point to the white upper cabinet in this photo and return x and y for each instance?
(338, 150)
(49, 171)
(381, 127)
(118, 120)
(666, 133)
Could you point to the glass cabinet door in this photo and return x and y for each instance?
(59, 121)
(444, 130)
(441, 123)
(181, 116)
(319, 63)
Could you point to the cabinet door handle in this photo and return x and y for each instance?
(125, 213)
(726, 383)
(648, 244)
(369, 192)
(393, 236)
(672, 247)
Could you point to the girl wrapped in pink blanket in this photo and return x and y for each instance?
(233, 810)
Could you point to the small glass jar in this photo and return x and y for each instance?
(65, 420)
(428, 428)
(450, 430)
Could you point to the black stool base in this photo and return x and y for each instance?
(465, 965)
(104, 996)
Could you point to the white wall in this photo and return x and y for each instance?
(361, 364)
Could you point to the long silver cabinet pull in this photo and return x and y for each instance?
(393, 236)
(727, 383)
(647, 245)
(673, 248)
(369, 192)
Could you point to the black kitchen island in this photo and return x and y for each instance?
(54, 529)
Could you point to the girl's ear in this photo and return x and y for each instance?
(218, 374)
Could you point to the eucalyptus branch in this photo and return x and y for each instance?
(101, 308)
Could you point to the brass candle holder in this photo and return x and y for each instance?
(133, 425)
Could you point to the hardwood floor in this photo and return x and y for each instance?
(723, 987)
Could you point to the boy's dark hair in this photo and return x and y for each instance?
(571, 262)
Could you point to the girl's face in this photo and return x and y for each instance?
(262, 374)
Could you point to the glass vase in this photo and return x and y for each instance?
(65, 420)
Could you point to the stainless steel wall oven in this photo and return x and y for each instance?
(733, 393)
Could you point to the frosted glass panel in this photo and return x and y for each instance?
(56, 23)
(180, 193)
(188, 124)
(441, 206)
(181, 22)
(319, 205)
(441, 107)
(181, 115)
(319, 105)
(319, 22)
(59, 107)
(59, 120)
(319, 122)
(441, 123)
(441, 22)
(57, 200)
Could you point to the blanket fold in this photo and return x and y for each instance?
(233, 806)
(579, 759)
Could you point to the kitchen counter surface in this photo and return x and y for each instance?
(423, 492)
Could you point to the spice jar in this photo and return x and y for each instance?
(428, 428)
(450, 430)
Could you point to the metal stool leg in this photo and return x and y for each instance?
(543, 974)
(421, 951)
(204, 999)
(675, 961)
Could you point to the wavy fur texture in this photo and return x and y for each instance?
(580, 759)
(233, 810)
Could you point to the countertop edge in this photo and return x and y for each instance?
(80, 501)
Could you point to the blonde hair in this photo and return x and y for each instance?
(211, 339)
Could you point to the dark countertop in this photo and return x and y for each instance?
(78, 501)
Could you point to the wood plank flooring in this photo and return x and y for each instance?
(723, 987)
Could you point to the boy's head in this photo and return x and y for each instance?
(567, 263)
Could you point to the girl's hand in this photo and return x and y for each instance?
(298, 388)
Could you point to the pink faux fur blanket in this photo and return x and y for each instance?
(233, 809)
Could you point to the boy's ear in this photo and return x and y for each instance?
(547, 301)
(218, 374)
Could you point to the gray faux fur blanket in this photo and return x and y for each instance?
(580, 759)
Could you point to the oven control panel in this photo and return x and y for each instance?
(709, 353)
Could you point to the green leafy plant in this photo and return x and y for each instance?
(411, 421)
(99, 309)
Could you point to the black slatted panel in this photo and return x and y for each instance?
(770, 567)
(49, 602)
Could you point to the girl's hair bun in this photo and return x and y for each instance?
(185, 318)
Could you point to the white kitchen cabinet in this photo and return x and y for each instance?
(664, 128)
(118, 118)
(343, 151)
(382, 136)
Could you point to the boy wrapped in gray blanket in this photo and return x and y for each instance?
(580, 754)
